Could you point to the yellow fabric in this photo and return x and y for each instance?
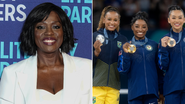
(105, 95)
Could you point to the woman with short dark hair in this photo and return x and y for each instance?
(49, 75)
(39, 13)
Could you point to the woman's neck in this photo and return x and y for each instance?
(177, 30)
(49, 59)
(137, 38)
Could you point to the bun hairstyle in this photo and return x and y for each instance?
(174, 7)
(104, 12)
(140, 15)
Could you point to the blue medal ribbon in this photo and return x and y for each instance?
(139, 43)
(180, 35)
(106, 36)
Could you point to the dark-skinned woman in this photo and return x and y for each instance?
(49, 75)
(138, 60)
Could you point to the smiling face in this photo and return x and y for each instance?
(176, 20)
(49, 34)
(111, 20)
(139, 29)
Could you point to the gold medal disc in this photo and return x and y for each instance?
(132, 48)
(171, 42)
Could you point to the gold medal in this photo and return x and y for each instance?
(171, 42)
(132, 48)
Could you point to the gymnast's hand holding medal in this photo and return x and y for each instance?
(101, 38)
(129, 48)
(169, 41)
(165, 41)
(97, 44)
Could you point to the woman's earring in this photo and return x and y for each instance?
(60, 50)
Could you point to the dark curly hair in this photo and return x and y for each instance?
(140, 15)
(174, 7)
(38, 14)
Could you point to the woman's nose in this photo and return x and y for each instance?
(49, 31)
(140, 29)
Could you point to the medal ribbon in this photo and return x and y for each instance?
(180, 36)
(139, 43)
(106, 36)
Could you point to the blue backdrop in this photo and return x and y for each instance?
(14, 12)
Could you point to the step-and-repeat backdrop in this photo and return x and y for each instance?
(14, 12)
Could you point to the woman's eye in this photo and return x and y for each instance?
(109, 19)
(40, 27)
(137, 26)
(115, 20)
(56, 27)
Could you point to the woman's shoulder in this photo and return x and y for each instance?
(100, 31)
(152, 43)
(77, 60)
(121, 36)
(80, 60)
(19, 65)
(80, 64)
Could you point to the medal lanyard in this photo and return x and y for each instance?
(139, 43)
(106, 36)
(180, 35)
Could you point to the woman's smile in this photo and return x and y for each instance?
(49, 34)
(49, 41)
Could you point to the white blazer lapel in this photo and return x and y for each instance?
(27, 79)
(71, 81)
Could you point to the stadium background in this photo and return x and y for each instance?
(14, 12)
(157, 11)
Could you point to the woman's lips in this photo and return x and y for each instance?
(177, 24)
(49, 41)
(140, 34)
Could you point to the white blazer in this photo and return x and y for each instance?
(18, 82)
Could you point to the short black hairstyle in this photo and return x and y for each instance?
(38, 14)
(174, 7)
(140, 15)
